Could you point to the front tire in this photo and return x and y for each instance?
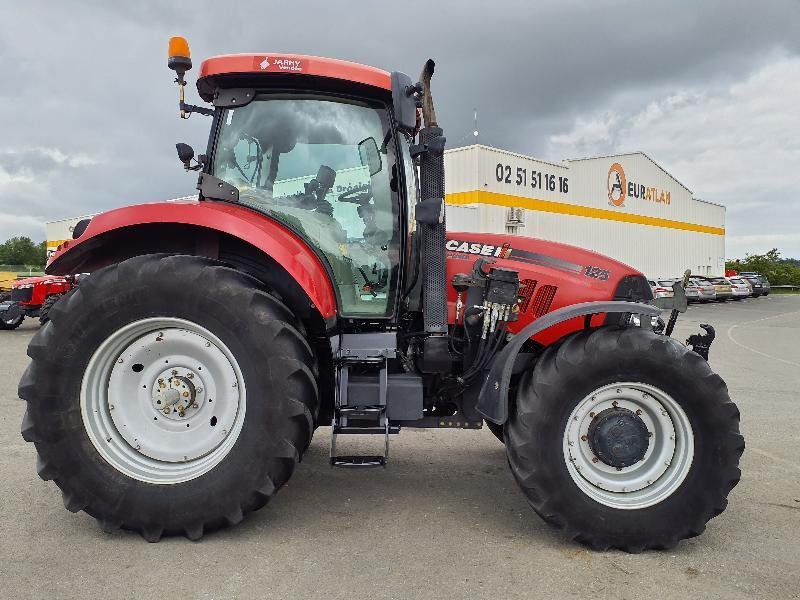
(180, 334)
(10, 322)
(624, 439)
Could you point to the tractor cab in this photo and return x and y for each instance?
(316, 144)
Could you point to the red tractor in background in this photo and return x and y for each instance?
(313, 283)
(33, 297)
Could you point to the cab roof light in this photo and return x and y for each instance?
(178, 46)
(179, 58)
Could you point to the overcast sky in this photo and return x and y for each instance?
(710, 90)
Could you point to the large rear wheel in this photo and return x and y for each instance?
(44, 310)
(624, 439)
(497, 430)
(184, 407)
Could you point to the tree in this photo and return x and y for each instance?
(779, 271)
(23, 251)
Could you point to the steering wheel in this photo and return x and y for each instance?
(360, 195)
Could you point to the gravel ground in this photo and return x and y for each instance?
(444, 520)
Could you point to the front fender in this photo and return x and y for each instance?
(493, 398)
(269, 236)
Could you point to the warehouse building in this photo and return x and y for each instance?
(625, 206)
(60, 231)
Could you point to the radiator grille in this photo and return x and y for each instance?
(22, 294)
(542, 300)
(526, 289)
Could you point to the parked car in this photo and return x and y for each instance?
(765, 284)
(722, 287)
(661, 288)
(700, 290)
(741, 288)
(756, 283)
(752, 277)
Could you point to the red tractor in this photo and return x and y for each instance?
(32, 297)
(313, 283)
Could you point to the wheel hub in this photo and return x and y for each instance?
(618, 437)
(175, 394)
(628, 445)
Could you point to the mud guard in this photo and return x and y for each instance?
(493, 398)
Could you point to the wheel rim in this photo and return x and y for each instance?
(664, 464)
(163, 400)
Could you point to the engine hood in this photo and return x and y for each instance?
(29, 281)
(552, 275)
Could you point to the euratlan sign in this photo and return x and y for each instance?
(619, 188)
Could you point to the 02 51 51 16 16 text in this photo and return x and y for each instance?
(537, 180)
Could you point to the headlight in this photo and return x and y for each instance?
(636, 321)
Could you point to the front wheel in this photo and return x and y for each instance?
(169, 395)
(10, 319)
(624, 439)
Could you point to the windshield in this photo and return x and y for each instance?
(322, 166)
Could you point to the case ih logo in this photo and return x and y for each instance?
(503, 251)
(617, 185)
(279, 64)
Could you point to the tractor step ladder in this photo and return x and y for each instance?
(381, 427)
(359, 410)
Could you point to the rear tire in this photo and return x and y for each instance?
(196, 313)
(497, 430)
(48, 303)
(681, 483)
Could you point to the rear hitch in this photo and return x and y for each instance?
(701, 343)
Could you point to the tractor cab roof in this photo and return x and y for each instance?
(235, 69)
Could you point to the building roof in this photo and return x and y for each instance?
(638, 152)
(508, 152)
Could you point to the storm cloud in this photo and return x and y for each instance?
(708, 90)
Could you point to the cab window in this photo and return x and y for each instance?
(322, 165)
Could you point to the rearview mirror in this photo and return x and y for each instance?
(404, 102)
(185, 153)
(370, 156)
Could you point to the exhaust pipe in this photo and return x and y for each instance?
(430, 214)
